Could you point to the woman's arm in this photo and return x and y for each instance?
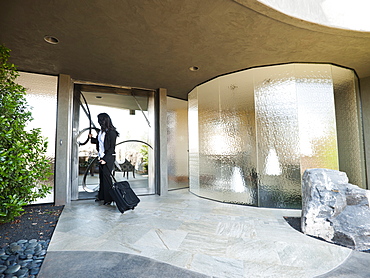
(93, 140)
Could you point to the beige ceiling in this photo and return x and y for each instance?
(152, 43)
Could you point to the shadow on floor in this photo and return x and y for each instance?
(77, 264)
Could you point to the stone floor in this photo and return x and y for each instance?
(182, 235)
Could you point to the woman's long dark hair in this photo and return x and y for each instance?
(106, 123)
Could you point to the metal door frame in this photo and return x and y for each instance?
(66, 177)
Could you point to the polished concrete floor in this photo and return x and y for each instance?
(204, 238)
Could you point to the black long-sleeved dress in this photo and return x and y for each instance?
(105, 169)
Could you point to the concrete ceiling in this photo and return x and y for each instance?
(152, 43)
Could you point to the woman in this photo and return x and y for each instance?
(105, 144)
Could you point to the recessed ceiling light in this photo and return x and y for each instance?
(194, 68)
(51, 40)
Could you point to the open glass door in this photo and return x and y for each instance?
(132, 114)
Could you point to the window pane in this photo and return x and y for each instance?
(177, 143)
(42, 98)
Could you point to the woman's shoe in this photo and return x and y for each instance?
(97, 199)
(107, 203)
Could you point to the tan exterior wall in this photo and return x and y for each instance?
(365, 101)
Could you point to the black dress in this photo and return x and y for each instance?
(107, 168)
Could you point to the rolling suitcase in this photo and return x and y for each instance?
(123, 195)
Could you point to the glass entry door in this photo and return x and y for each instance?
(132, 114)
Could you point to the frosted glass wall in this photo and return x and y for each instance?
(277, 134)
(41, 96)
(177, 143)
(193, 126)
(253, 133)
(350, 142)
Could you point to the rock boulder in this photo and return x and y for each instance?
(335, 210)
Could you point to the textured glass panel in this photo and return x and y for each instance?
(278, 137)
(42, 97)
(227, 140)
(237, 140)
(209, 128)
(177, 143)
(258, 130)
(349, 129)
(193, 141)
(317, 129)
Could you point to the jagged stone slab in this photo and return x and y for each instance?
(335, 210)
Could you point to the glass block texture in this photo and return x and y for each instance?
(177, 143)
(41, 96)
(349, 127)
(253, 133)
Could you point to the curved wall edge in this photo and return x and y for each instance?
(295, 20)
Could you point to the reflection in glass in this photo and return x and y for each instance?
(253, 133)
(131, 157)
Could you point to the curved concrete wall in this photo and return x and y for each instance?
(253, 133)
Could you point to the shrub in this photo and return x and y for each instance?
(145, 163)
(24, 167)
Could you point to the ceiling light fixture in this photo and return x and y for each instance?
(51, 40)
(194, 68)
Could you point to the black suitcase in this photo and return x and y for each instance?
(123, 195)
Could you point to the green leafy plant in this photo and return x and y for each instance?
(24, 168)
(145, 163)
